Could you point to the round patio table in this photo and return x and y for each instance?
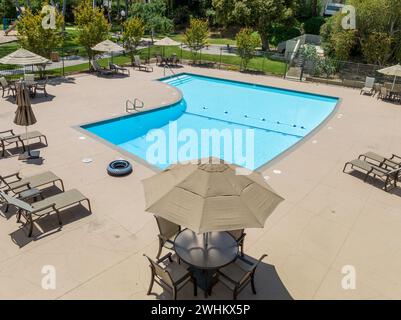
(221, 250)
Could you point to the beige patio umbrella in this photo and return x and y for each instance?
(23, 57)
(210, 196)
(108, 46)
(166, 42)
(24, 115)
(392, 71)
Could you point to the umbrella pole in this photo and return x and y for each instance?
(395, 78)
(206, 239)
(27, 142)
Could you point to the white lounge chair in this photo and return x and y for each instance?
(369, 86)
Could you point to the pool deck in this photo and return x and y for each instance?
(328, 219)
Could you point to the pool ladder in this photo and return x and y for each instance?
(131, 106)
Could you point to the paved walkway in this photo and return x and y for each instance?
(329, 223)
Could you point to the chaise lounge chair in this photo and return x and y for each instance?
(100, 70)
(116, 68)
(140, 66)
(9, 137)
(45, 207)
(16, 184)
(388, 176)
(393, 162)
(369, 86)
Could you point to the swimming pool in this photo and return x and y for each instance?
(271, 119)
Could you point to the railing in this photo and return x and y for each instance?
(133, 106)
(169, 68)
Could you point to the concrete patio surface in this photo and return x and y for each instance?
(328, 219)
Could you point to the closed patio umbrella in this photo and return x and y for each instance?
(210, 196)
(392, 71)
(24, 116)
(108, 46)
(23, 57)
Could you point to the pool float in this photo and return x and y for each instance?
(119, 168)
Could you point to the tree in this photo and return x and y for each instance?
(376, 48)
(34, 37)
(261, 15)
(344, 42)
(132, 34)
(92, 26)
(247, 42)
(196, 36)
(377, 21)
(153, 15)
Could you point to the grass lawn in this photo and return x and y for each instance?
(260, 64)
(212, 40)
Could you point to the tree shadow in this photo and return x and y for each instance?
(14, 151)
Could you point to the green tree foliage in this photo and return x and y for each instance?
(376, 48)
(153, 15)
(321, 65)
(34, 37)
(133, 32)
(378, 22)
(343, 44)
(92, 26)
(196, 36)
(247, 42)
(261, 15)
(7, 9)
(313, 25)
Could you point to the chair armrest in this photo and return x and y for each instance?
(163, 238)
(241, 238)
(50, 206)
(227, 277)
(16, 174)
(165, 257)
(9, 131)
(395, 156)
(22, 185)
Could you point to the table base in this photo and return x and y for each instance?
(205, 279)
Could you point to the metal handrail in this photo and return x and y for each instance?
(169, 68)
(133, 106)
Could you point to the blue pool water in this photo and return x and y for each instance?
(270, 119)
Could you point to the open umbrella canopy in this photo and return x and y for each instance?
(107, 46)
(23, 57)
(392, 71)
(210, 196)
(166, 42)
(24, 115)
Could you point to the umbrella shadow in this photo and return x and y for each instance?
(56, 81)
(268, 285)
(39, 98)
(16, 151)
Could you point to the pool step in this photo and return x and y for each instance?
(178, 80)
